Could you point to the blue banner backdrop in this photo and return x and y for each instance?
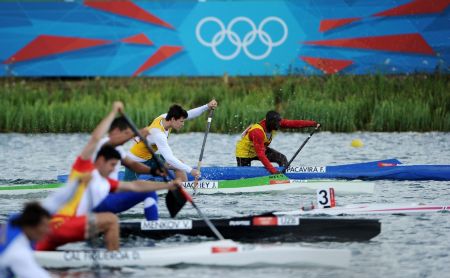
(210, 38)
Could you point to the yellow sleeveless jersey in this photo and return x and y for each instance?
(139, 149)
(245, 148)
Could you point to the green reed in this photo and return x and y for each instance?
(340, 103)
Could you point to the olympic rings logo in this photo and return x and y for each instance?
(235, 39)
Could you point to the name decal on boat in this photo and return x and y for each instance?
(201, 184)
(166, 225)
(306, 169)
(239, 223)
(101, 255)
(276, 221)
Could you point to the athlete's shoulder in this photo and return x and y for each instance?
(113, 184)
(159, 118)
(122, 152)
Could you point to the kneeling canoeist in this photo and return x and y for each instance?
(16, 253)
(119, 133)
(157, 134)
(255, 141)
(87, 186)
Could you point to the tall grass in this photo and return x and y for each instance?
(340, 103)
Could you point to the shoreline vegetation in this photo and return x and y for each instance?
(341, 103)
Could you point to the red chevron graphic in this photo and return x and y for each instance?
(405, 43)
(329, 24)
(127, 9)
(46, 45)
(163, 53)
(415, 7)
(138, 39)
(328, 66)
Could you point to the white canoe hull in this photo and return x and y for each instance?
(222, 253)
(341, 187)
(361, 209)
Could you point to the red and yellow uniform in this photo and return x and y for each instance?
(255, 139)
(246, 147)
(86, 188)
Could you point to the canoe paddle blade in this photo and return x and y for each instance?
(175, 201)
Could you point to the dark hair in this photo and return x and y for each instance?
(273, 119)
(119, 123)
(273, 115)
(31, 216)
(108, 152)
(176, 112)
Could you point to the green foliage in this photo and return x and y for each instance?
(340, 103)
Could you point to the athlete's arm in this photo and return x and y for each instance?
(136, 166)
(193, 113)
(257, 137)
(119, 139)
(296, 123)
(22, 262)
(147, 186)
(100, 130)
(144, 132)
(160, 140)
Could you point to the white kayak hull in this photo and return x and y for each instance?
(367, 209)
(221, 253)
(341, 187)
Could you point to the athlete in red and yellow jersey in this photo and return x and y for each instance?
(255, 141)
(87, 186)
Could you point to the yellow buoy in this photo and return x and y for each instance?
(357, 143)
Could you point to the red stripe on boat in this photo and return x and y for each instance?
(220, 249)
(332, 199)
(265, 221)
(278, 182)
